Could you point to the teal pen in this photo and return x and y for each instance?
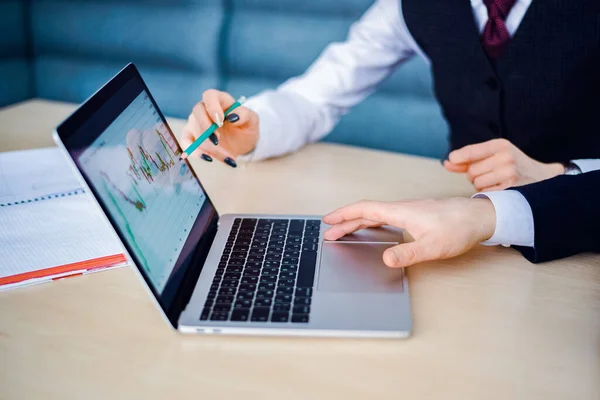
(211, 129)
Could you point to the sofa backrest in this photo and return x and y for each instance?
(183, 47)
(78, 45)
(15, 84)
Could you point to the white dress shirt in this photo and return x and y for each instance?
(306, 108)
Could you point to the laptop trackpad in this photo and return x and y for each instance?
(358, 268)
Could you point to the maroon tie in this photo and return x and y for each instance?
(495, 35)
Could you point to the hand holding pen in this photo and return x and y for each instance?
(230, 134)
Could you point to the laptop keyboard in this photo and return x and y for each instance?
(266, 272)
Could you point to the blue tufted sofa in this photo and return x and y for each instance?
(65, 49)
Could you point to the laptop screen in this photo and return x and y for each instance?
(130, 159)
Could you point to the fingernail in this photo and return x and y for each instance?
(230, 162)
(233, 117)
(219, 119)
(214, 139)
(206, 157)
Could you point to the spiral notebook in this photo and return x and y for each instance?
(49, 227)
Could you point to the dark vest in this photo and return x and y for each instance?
(542, 94)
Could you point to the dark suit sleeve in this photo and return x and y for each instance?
(566, 216)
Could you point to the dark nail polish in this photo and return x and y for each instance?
(230, 162)
(206, 157)
(214, 139)
(233, 117)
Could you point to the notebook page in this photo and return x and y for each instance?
(46, 219)
(30, 174)
(54, 232)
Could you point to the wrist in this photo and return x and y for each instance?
(485, 213)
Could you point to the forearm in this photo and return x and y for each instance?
(535, 218)
(288, 122)
(566, 216)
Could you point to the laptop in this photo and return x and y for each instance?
(223, 274)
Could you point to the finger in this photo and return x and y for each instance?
(199, 121)
(217, 152)
(487, 165)
(187, 138)
(407, 254)
(497, 177)
(460, 168)
(372, 210)
(244, 116)
(216, 102)
(337, 231)
(479, 151)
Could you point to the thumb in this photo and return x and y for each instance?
(407, 254)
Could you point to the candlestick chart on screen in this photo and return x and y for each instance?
(136, 169)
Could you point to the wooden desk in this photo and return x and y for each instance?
(488, 325)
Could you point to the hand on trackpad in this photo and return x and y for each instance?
(357, 267)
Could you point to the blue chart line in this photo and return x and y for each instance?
(128, 229)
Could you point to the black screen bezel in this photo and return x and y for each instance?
(187, 268)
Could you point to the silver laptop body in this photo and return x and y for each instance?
(354, 293)
(318, 288)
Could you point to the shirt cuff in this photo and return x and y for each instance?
(514, 219)
(588, 165)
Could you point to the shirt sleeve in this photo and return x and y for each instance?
(514, 219)
(588, 165)
(306, 108)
